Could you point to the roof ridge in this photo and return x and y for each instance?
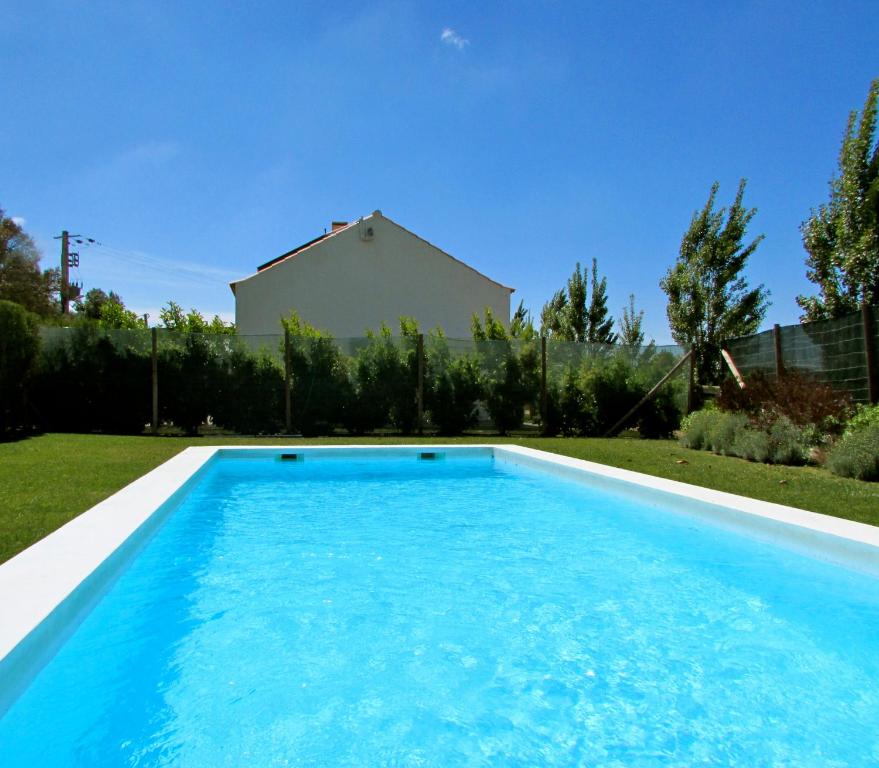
(305, 246)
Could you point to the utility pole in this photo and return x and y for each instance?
(65, 273)
(68, 260)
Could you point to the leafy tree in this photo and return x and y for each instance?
(114, 315)
(576, 313)
(842, 236)
(19, 344)
(21, 279)
(90, 305)
(108, 310)
(631, 325)
(708, 297)
(175, 319)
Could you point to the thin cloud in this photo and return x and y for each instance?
(119, 170)
(450, 37)
(19, 221)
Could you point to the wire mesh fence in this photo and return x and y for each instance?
(94, 379)
(838, 352)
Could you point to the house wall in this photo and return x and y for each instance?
(346, 285)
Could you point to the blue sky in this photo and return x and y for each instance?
(197, 140)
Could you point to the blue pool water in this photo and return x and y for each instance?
(394, 612)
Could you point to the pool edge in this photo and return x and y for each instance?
(836, 540)
(47, 587)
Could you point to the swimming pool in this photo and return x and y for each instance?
(479, 606)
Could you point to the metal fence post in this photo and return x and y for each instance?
(691, 378)
(779, 359)
(154, 424)
(419, 350)
(870, 354)
(288, 407)
(543, 412)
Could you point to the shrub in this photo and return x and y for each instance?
(105, 379)
(19, 344)
(751, 444)
(733, 434)
(576, 407)
(385, 380)
(188, 367)
(695, 429)
(321, 390)
(723, 431)
(591, 396)
(509, 371)
(251, 393)
(857, 454)
(660, 417)
(612, 391)
(451, 388)
(507, 394)
(802, 398)
(551, 418)
(788, 443)
(322, 395)
(864, 416)
(509, 381)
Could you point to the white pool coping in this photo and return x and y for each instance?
(36, 584)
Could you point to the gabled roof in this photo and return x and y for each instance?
(326, 235)
(302, 247)
(290, 254)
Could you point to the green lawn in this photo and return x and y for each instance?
(47, 480)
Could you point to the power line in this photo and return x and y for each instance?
(71, 260)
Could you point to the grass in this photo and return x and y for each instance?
(47, 480)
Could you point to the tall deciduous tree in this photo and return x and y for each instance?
(708, 296)
(599, 328)
(578, 312)
(842, 236)
(21, 279)
(521, 325)
(554, 316)
(632, 325)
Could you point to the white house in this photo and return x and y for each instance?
(361, 274)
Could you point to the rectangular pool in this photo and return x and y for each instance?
(438, 607)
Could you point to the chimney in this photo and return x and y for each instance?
(337, 225)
